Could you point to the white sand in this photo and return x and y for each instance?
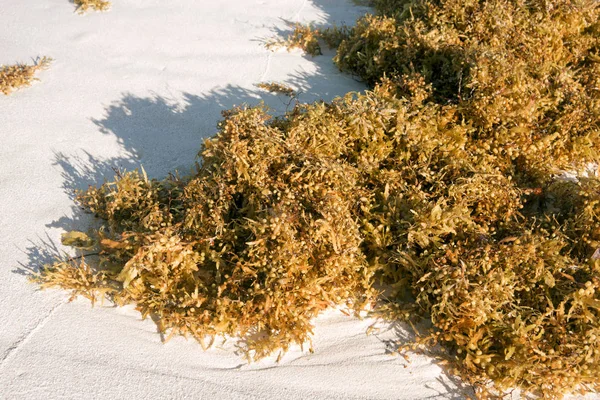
(144, 83)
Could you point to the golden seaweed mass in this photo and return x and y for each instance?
(84, 6)
(16, 76)
(442, 185)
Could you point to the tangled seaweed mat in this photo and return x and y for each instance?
(444, 185)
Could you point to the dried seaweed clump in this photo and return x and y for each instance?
(309, 38)
(84, 6)
(278, 88)
(255, 245)
(444, 184)
(13, 77)
(303, 37)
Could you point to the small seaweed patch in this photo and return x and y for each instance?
(84, 6)
(13, 77)
(303, 37)
(277, 88)
(310, 37)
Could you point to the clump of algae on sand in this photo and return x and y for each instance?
(84, 6)
(277, 88)
(13, 77)
(443, 181)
